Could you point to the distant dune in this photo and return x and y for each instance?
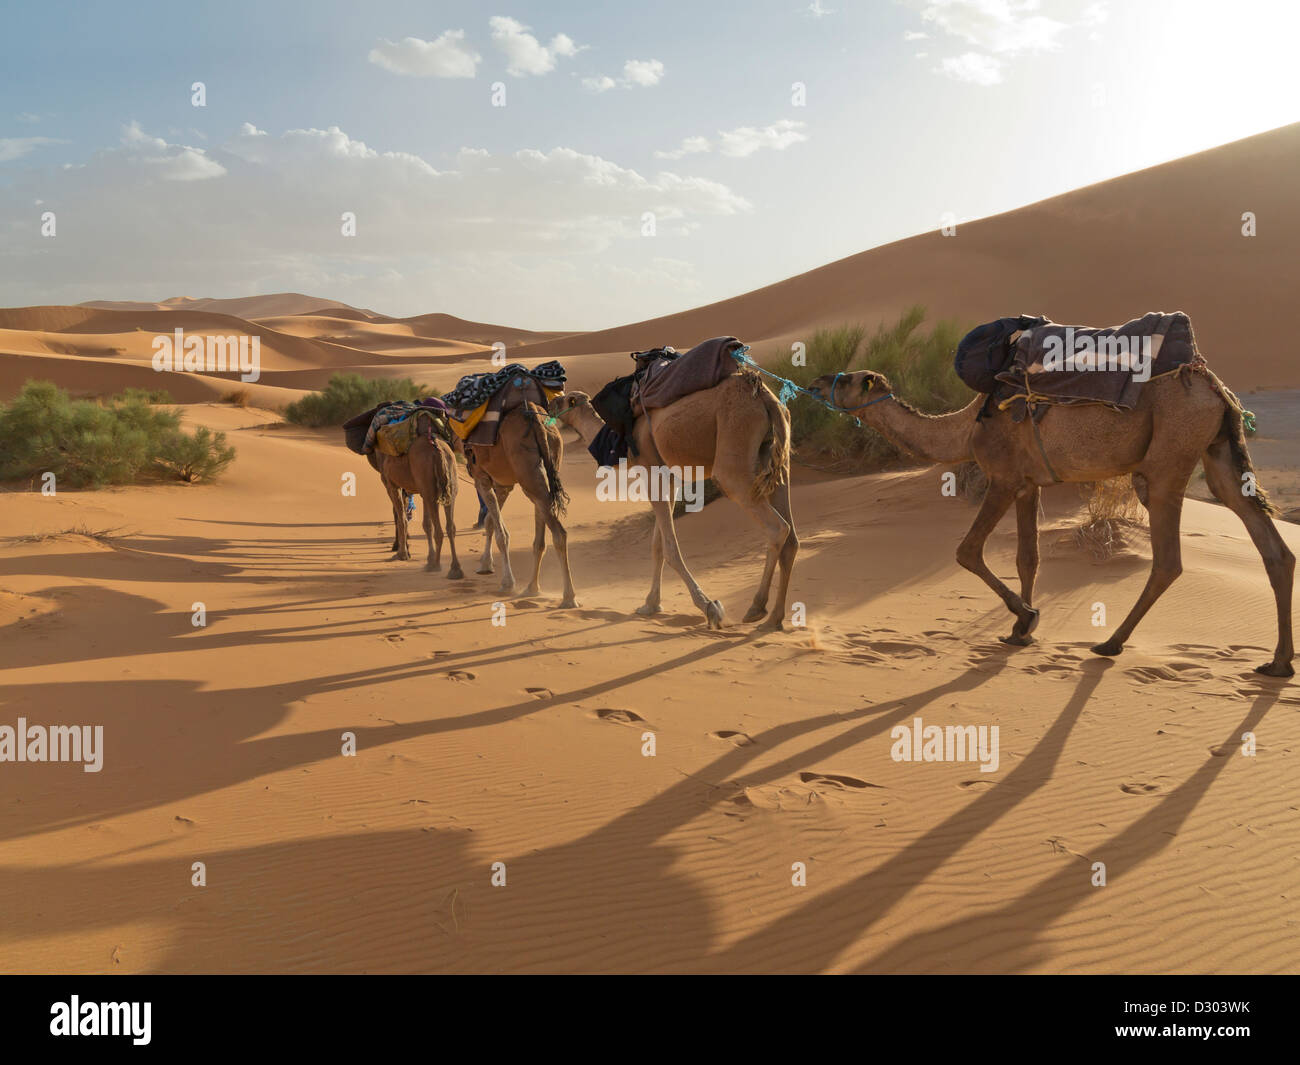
(239, 307)
(1166, 238)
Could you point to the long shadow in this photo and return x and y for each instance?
(207, 734)
(406, 901)
(1011, 937)
(810, 938)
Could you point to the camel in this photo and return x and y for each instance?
(1180, 419)
(527, 453)
(429, 470)
(740, 435)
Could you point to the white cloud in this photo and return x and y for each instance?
(642, 73)
(1002, 29)
(269, 218)
(974, 67)
(747, 139)
(689, 146)
(914, 35)
(524, 53)
(446, 57)
(743, 141)
(170, 162)
(16, 147)
(817, 11)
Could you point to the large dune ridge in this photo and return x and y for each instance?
(526, 743)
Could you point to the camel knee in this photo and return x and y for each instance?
(970, 556)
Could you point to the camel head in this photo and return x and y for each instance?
(851, 390)
(563, 406)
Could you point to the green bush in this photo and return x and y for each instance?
(917, 362)
(348, 394)
(88, 443)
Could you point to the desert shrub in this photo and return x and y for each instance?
(918, 363)
(348, 394)
(1113, 506)
(87, 443)
(240, 397)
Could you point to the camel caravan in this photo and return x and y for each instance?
(1054, 404)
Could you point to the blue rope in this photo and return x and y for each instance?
(789, 390)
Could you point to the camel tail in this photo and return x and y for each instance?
(557, 497)
(1234, 428)
(774, 451)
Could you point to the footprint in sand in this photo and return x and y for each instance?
(525, 604)
(1142, 788)
(394, 637)
(1176, 671)
(971, 785)
(736, 739)
(460, 674)
(619, 717)
(539, 693)
(839, 780)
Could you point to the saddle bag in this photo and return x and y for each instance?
(988, 349)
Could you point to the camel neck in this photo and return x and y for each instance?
(933, 437)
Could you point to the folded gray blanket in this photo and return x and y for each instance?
(1078, 364)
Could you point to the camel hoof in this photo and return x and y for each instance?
(567, 604)
(1109, 649)
(433, 567)
(771, 625)
(530, 591)
(490, 569)
(1017, 639)
(756, 613)
(455, 573)
(649, 610)
(714, 614)
(1276, 669)
(506, 589)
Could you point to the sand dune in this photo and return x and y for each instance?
(1167, 238)
(277, 303)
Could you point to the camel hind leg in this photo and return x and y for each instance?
(773, 517)
(432, 534)
(539, 548)
(970, 555)
(1165, 507)
(651, 606)
(1224, 481)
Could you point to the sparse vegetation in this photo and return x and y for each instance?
(917, 362)
(87, 443)
(1113, 506)
(240, 397)
(347, 394)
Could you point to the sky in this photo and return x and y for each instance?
(568, 165)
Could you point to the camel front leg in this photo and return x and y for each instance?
(651, 606)
(1165, 510)
(712, 609)
(497, 526)
(997, 500)
(1027, 541)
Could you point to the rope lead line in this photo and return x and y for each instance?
(789, 390)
